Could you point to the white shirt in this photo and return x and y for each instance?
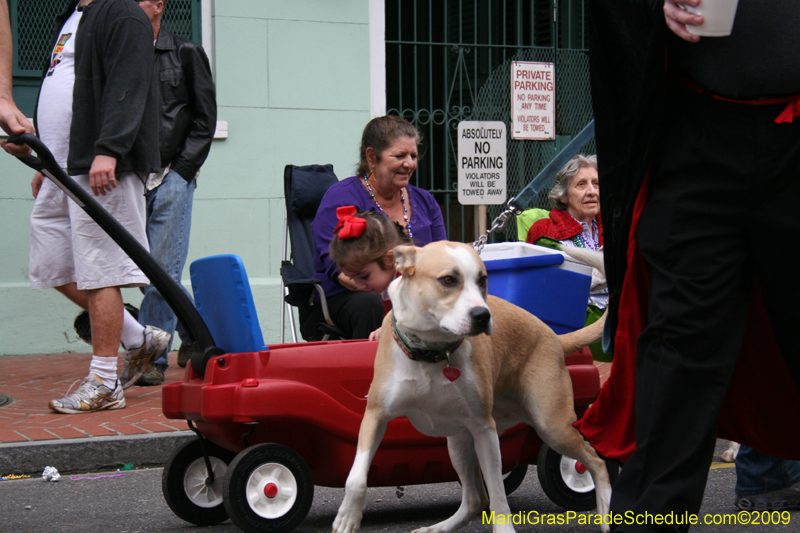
(591, 239)
(54, 113)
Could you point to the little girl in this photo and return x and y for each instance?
(363, 251)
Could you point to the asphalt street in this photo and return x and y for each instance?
(133, 502)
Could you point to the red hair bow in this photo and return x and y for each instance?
(349, 225)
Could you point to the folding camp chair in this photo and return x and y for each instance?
(304, 188)
(528, 218)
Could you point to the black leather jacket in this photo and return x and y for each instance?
(188, 104)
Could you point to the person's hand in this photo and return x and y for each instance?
(347, 282)
(375, 335)
(677, 19)
(101, 175)
(14, 122)
(36, 184)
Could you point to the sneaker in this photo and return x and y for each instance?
(137, 360)
(91, 396)
(153, 376)
(185, 354)
(777, 500)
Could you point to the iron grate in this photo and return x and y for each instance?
(449, 61)
(6, 400)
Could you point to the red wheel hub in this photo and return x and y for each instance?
(579, 468)
(271, 490)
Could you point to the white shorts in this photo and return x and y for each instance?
(68, 246)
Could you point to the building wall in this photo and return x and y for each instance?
(293, 85)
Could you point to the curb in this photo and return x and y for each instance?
(91, 454)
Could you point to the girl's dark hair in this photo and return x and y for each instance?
(380, 236)
(379, 133)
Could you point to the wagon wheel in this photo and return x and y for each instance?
(268, 487)
(513, 479)
(567, 482)
(185, 483)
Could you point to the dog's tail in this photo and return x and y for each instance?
(576, 340)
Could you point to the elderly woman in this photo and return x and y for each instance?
(575, 201)
(389, 151)
(575, 215)
(575, 221)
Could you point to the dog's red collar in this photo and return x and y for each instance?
(417, 354)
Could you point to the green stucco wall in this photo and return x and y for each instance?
(293, 84)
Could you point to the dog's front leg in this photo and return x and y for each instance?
(487, 446)
(348, 519)
(473, 494)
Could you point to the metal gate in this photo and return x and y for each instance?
(450, 60)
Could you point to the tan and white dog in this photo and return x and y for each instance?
(481, 385)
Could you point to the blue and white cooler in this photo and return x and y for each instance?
(543, 281)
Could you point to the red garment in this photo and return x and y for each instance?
(762, 400)
(629, 88)
(609, 424)
(560, 227)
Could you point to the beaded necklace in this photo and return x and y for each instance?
(580, 241)
(402, 199)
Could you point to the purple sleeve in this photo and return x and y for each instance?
(438, 231)
(427, 222)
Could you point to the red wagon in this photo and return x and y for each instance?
(273, 421)
(286, 418)
(279, 419)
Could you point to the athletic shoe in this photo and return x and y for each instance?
(152, 377)
(91, 396)
(137, 360)
(185, 354)
(777, 500)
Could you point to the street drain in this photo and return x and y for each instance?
(5, 400)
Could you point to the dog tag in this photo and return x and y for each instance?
(451, 373)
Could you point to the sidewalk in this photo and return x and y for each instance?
(32, 436)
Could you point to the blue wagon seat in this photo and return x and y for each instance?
(223, 298)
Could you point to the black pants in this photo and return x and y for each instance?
(722, 207)
(357, 313)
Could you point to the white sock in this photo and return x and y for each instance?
(105, 368)
(132, 332)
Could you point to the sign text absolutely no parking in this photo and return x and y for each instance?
(481, 162)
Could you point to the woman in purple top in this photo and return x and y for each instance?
(389, 149)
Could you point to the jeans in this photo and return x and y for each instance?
(757, 473)
(169, 220)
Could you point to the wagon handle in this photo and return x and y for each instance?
(186, 312)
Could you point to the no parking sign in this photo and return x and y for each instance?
(481, 163)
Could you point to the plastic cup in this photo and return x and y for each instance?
(718, 17)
